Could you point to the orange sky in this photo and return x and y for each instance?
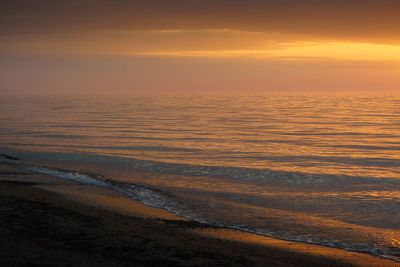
(195, 46)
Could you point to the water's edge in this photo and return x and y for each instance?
(151, 198)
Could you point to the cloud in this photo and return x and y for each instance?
(300, 51)
(365, 20)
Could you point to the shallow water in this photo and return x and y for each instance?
(314, 168)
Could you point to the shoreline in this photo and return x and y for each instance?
(120, 231)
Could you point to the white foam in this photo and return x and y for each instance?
(68, 175)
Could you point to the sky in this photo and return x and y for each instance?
(199, 46)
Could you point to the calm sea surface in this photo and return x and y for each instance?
(314, 168)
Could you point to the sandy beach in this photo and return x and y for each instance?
(46, 221)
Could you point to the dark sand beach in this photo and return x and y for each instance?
(45, 221)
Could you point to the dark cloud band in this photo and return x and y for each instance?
(351, 19)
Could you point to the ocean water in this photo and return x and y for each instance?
(321, 169)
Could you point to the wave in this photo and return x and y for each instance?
(226, 172)
(145, 195)
(130, 154)
(154, 198)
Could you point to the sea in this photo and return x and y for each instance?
(314, 168)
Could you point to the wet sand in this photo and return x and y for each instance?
(46, 221)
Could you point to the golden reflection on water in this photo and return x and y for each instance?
(395, 242)
(332, 134)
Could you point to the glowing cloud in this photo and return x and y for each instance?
(300, 50)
